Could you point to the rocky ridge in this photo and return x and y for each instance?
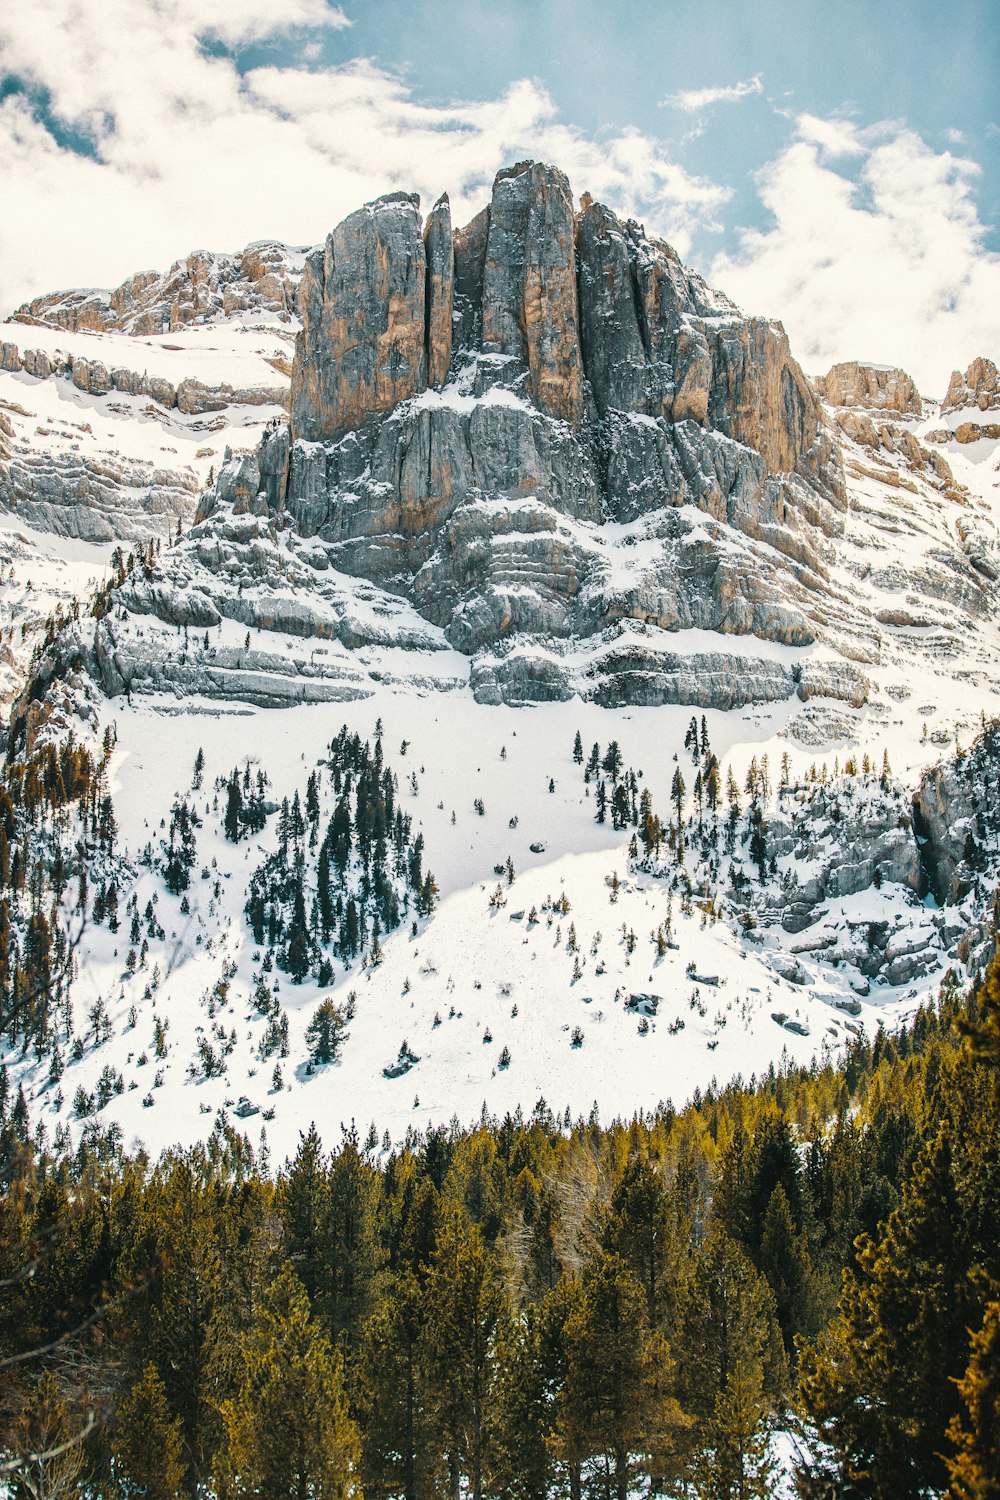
(564, 451)
(544, 425)
(883, 388)
(979, 387)
(199, 288)
(190, 395)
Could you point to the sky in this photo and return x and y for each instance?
(837, 167)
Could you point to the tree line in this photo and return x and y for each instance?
(531, 1307)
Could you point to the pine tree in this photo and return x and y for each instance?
(578, 749)
(637, 1228)
(287, 1431)
(232, 821)
(352, 1253)
(325, 1033)
(733, 1367)
(616, 1396)
(612, 762)
(677, 790)
(401, 1451)
(46, 1445)
(146, 1443)
(974, 1470)
(519, 1457)
(881, 1380)
(464, 1304)
(298, 952)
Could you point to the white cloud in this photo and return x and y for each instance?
(692, 100)
(833, 137)
(889, 265)
(190, 153)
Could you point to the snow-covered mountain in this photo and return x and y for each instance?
(469, 494)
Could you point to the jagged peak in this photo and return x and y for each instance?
(875, 387)
(978, 387)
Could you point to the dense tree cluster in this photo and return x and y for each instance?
(532, 1307)
(57, 828)
(336, 892)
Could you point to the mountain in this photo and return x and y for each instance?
(466, 494)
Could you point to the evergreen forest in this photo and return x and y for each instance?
(534, 1307)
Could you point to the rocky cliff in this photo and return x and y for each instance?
(196, 289)
(883, 388)
(978, 388)
(477, 414)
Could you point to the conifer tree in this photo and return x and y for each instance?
(146, 1443)
(232, 821)
(519, 1457)
(46, 1445)
(401, 1452)
(465, 1301)
(677, 790)
(616, 1399)
(974, 1470)
(287, 1430)
(731, 1368)
(637, 1228)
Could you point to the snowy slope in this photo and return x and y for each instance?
(477, 977)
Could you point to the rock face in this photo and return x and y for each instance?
(978, 387)
(362, 349)
(94, 497)
(955, 813)
(439, 296)
(560, 449)
(874, 387)
(190, 395)
(469, 409)
(529, 285)
(263, 277)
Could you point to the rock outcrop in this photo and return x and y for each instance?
(469, 410)
(882, 388)
(892, 438)
(978, 387)
(199, 288)
(561, 449)
(190, 396)
(440, 290)
(956, 815)
(362, 349)
(529, 295)
(94, 497)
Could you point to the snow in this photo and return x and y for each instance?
(473, 963)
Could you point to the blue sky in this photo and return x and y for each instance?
(837, 166)
(608, 66)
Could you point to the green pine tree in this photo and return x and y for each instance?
(287, 1430)
(146, 1443)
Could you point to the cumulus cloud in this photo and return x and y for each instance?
(694, 100)
(875, 251)
(189, 151)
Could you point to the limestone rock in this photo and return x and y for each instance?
(978, 387)
(870, 387)
(199, 288)
(529, 294)
(440, 290)
(972, 432)
(948, 816)
(361, 349)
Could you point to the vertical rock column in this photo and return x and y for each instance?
(362, 345)
(529, 285)
(613, 351)
(440, 291)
